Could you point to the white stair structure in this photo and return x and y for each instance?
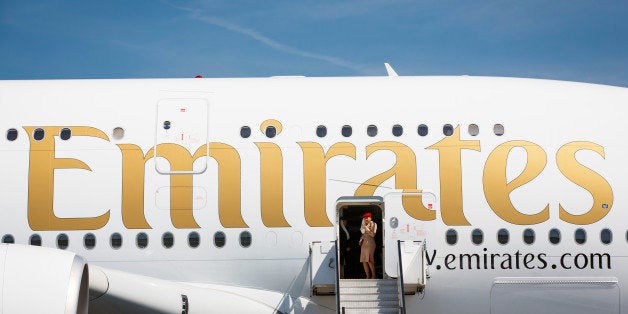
(403, 256)
(369, 296)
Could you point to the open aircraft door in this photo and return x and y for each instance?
(404, 238)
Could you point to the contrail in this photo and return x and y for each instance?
(197, 15)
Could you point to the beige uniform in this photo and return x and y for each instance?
(368, 243)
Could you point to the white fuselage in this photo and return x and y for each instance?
(560, 164)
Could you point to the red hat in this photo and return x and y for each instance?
(366, 215)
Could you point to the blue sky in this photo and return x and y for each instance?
(572, 40)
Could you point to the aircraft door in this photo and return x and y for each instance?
(405, 235)
(181, 123)
(349, 212)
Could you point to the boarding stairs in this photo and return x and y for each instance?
(404, 256)
(369, 296)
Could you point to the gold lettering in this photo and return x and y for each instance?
(229, 183)
(450, 168)
(405, 172)
(133, 161)
(314, 177)
(586, 178)
(497, 190)
(41, 170)
(181, 185)
(271, 185)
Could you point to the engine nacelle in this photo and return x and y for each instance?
(42, 280)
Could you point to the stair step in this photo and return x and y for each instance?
(363, 290)
(369, 304)
(367, 282)
(369, 297)
(371, 310)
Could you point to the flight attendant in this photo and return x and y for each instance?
(367, 244)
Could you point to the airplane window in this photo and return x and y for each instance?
(371, 130)
(346, 130)
(502, 236)
(89, 240)
(448, 130)
(245, 131)
(498, 129)
(606, 236)
(141, 240)
(63, 241)
(245, 239)
(271, 131)
(397, 130)
(321, 131)
(580, 236)
(7, 238)
(65, 134)
(422, 130)
(477, 236)
(118, 133)
(451, 236)
(35, 240)
(115, 240)
(12, 135)
(39, 134)
(219, 239)
(528, 236)
(167, 125)
(474, 129)
(167, 240)
(194, 239)
(554, 236)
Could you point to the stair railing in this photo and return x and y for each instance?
(400, 285)
(337, 277)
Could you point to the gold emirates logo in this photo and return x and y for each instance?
(497, 189)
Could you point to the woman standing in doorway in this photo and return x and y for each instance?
(367, 243)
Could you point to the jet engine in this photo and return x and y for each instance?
(42, 280)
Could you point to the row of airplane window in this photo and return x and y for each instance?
(271, 131)
(39, 134)
(65, 134)
(141, 240)
(371, 130)
(194, 239)
(529, 236)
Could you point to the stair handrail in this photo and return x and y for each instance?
(311, 267)
(337, 288)
(400, 285)
(423, 282)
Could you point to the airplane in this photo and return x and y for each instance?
(207, 195)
